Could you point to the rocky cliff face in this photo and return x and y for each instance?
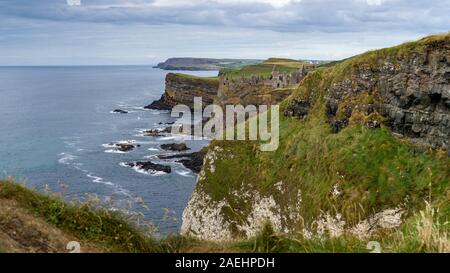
(181, 89)
(339, 169)
(411, 91)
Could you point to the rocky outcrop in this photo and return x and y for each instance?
(411, 91)
(157, 132)
(120, 111)
(259, 90)
(181, 89)
(123, 147)
(224, 90)
(192, 161)
(175, 147)
(149, 167)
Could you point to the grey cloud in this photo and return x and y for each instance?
(306, 15)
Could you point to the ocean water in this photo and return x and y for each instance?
(56, 124)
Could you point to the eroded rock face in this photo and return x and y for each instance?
(411, 91)
(181, 89)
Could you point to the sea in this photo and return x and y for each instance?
(57, 126)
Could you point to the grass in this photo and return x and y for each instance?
(425, 232)
(192, 77)
(264, 69)
(84, 221)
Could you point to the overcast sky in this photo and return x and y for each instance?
(74, 32)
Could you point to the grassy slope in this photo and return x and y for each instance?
(197, 78)
(101, 227)
(373, 169)
(264, 69)
(103, 231)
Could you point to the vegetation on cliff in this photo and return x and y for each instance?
(358, 182)
(263, 69)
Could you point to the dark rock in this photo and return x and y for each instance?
(149, 166)
(124, 147)
(164, 103)
(157, 132)
(174, 147)
(298, 108)
(192, 161)
(120, 111)
(338, 125)
(167, 123)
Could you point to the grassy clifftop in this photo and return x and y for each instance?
(263, 69)
(33, 222)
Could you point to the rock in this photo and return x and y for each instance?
(412, 93)
(298, 108)
(120, 111)
(124, 147)
(174, 147)
(181, 89)
(149, 166)
(157, 132)
(164, 103)
(192, 161)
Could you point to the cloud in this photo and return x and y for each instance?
(129, 31)
(278, 15)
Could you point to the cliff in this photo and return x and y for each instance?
(182, 88)
(267, 83)
(354, 156)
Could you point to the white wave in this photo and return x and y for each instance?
(99, 180)
(114, 151)
(167, 138)
(185, 173)
(123, 164)
(151, 157)
(153, 149)
(67, 158)
(152, 173)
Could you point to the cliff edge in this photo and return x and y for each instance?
(362, 149)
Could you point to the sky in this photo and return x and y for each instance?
(142, 32)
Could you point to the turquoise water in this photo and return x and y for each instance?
(55, 122)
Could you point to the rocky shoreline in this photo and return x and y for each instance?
(192, 161)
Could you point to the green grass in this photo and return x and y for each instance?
(422, 233)
(84, 221)
(192, 77)
(264, 69)
(376, 58)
